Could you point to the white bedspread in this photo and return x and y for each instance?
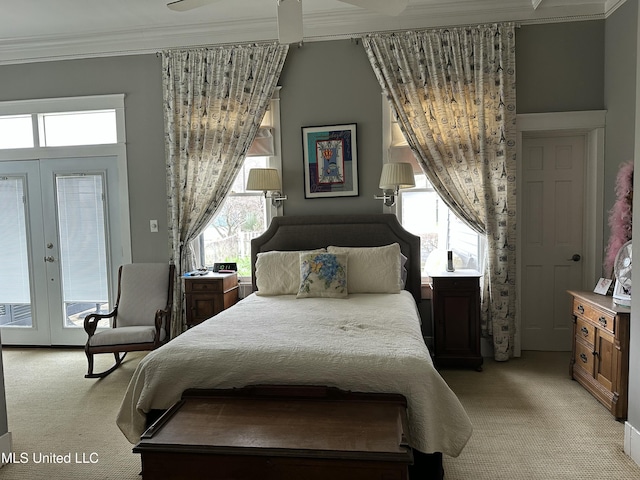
(365, 343)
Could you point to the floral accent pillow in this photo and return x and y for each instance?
(323, 275)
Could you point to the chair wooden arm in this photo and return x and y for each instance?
(162, 316)
(91, 320)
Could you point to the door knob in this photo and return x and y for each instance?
(575, 258)
(49, 259)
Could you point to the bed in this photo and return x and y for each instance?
(361, 339)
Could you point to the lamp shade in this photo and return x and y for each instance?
(264, 179)
(397, 175)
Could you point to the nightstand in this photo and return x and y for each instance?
(207, 295)
(455, 307)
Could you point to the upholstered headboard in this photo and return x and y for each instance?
(318, 231)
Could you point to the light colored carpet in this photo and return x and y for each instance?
(530, 420)
(52, 408)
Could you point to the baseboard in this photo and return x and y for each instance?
(632, 442)
(5, 448)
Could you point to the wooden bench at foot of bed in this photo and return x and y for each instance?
(277, 432)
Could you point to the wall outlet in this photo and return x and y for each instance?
(153, 225)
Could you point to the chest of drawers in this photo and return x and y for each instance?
(600, 356)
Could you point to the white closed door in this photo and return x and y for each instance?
(552, 170)
(60, 247)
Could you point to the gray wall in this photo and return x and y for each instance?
(620, 94)
(330, 83)
(621, 65)
(560, 67)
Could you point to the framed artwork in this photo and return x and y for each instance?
(330, 161)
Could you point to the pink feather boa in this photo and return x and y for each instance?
(620, 215)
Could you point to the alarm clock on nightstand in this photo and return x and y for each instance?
(226, 267)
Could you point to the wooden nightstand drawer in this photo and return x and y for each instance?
(584, 357)
(456, 283)
(196, 286)
(602, 319)
(585, 331)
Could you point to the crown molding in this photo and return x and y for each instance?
(317, 27)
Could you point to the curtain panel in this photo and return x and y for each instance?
(453, 94)
(214, 101)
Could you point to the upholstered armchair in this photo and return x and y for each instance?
(140, 319)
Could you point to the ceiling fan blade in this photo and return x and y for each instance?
(184, 5)
(289, 21)
(387, 7)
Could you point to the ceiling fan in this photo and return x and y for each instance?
(290, 13)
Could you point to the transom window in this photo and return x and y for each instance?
(64, 122)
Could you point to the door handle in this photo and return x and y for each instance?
(49, 259)
(574, 258)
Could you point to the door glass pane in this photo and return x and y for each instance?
(15, 298)
(82, 239)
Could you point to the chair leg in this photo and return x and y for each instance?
(90, 361)
(118, 357)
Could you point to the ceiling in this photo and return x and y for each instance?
(37, 30)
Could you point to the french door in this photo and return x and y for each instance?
(61, 242)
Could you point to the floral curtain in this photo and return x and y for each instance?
(214, 101)
(453, 93)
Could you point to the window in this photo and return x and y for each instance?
(78, 128)
(16, 131)
(422, 212)
(242, 217)
(244, 214)
(59, 129)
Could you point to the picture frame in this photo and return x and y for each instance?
(603, 287)
(330, 158)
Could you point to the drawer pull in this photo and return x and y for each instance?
(585, 331)
(603, 321)
(580, 309)
(583, 357)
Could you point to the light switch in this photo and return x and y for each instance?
(153, 225)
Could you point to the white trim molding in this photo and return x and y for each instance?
(591, 124)
(632, 442)
(215, 26)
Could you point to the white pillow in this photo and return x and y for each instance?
(278, 273)
(373, 269)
